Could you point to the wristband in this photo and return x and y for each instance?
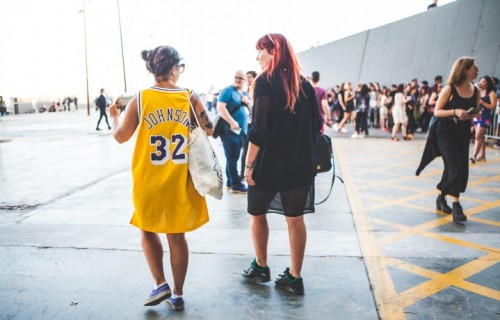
(248, 167)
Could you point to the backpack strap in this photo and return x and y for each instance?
(333, 182)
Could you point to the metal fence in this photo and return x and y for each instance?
(493, 131)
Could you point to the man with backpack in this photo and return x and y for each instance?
(229, 105)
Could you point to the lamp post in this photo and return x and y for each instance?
(86, 64)
(121, 41)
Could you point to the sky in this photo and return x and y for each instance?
(43, 41)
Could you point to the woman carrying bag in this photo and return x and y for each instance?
(164, 197)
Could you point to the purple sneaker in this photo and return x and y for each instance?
(239, 188)
(158, 295)
(176, 303)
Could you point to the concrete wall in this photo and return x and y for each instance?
(421, 46)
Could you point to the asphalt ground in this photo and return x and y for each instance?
(377, 248)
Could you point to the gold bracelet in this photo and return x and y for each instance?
(248, 167)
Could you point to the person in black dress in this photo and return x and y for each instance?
(451, 134)
(280, 165)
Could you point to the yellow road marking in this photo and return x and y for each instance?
(455, 277)
(385, 294)
(440, 281)
(391, 305)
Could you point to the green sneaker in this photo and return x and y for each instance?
(288, 283)
(257, 273)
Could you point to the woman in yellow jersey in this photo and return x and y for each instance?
(165, 200)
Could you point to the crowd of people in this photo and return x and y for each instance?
(64, 105)
(406, 108)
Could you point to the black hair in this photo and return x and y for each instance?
(364, 90)
(253, 73)
(160, 61)
(315, 76)
(490, 85)
(438, 78)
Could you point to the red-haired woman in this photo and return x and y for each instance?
(280, 166)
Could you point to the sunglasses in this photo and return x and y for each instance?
(270, 39)
(181, 67)
(240, 78)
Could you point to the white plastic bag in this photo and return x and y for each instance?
(204, 167)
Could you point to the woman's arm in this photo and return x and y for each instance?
(341, 101)
(443, 99)
(493, 101)
(124, 129)
(348, 96)
(253, 150)
(432, 99)
(205, 122)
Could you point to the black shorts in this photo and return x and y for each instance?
(349, 107)
(291, 203)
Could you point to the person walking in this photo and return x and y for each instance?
(251, 75)
(322, 99)
(348, 101)
(362, 105)
(450, 135)
(280, 165)
(399, 113)
(488, 105)
(230, 105)
(102, 103)
(342, 110)
(3, 108)
(164, 197)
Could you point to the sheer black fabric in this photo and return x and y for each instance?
(287, 139)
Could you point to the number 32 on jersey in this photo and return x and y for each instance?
(162, 153)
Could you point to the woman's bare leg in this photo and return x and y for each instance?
(179, 258)
(298, 237)
(260, 237)
(153, 251)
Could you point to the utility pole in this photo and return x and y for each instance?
(121, 41)
(86, 63)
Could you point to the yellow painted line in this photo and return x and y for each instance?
(390, 304)
(386, 298)
(421, 230)
(458, 282)
(415, 230)
(369, 185)
(461, 243)
(401, 202)
(487, 189)
(478, 289)
(453, 278)
(485, 221)
(398, 201)
(483, 207)
(483, 180)
(389, 224)
(434, 223)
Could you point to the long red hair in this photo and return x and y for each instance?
(284, 62)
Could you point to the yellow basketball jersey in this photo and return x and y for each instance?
(165, 200)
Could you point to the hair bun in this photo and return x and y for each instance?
(146, 54)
